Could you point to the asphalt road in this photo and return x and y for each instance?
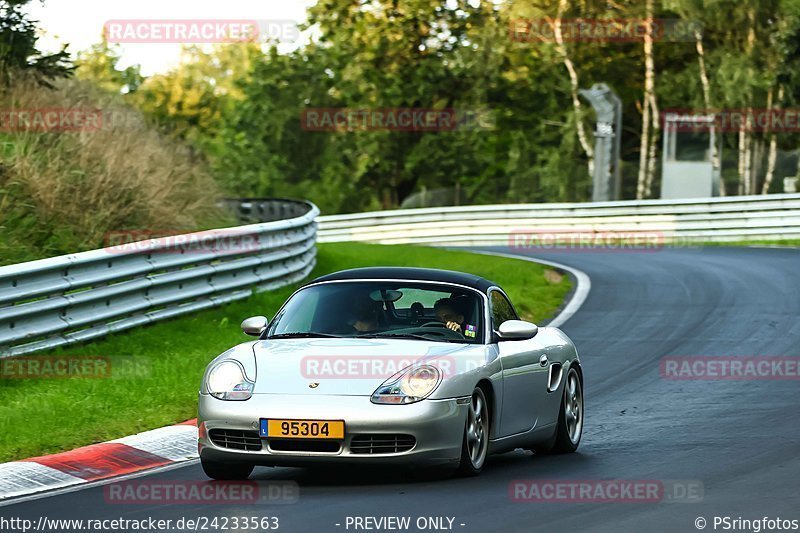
(739, 439)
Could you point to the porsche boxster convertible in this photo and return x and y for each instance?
(390, 365)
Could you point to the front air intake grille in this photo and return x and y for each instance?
(378, 443)
(236, 439)
(302, 445)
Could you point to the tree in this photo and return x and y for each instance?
(190, 99)
(650, 117)
(99, 65)
(18, 52)
(241, 107)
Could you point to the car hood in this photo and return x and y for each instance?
(351, 367)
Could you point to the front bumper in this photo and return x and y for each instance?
(437, 426)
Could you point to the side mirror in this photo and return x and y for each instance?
(515, 330)
(255, 325)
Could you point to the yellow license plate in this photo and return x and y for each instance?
(302, 429)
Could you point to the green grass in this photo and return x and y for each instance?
(785, 243)
(40, 416)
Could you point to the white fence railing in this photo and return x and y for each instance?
(71, 298)
(668, 221)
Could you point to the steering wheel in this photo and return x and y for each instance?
(440, 329)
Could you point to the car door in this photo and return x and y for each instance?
(524, 377)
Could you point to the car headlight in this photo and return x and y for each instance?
(410, 385)
(227, 381)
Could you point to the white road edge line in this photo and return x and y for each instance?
(578, 297)
(100, 482)
(176, 443)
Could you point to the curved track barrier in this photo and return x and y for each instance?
(775, 216)
(72, 298)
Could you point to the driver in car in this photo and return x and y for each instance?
(364, 316)
(449, 312)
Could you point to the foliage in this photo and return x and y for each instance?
(190, 101)
(240, 106)
(60, 192)
(99, 64)
(18, 52)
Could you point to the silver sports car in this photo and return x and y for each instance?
(390, 365)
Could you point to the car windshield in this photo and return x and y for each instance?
(382, 309)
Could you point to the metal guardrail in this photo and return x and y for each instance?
(72, 298)
(265, 209)
(774, 216)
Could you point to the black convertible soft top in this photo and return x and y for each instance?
(409, 273)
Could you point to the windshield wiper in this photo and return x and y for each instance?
(303, 335)
(406, 336)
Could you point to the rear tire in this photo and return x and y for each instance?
(226, 471)
(475, 442)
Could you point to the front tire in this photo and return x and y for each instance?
(226, 471)
(570, 418)
(475, 442)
